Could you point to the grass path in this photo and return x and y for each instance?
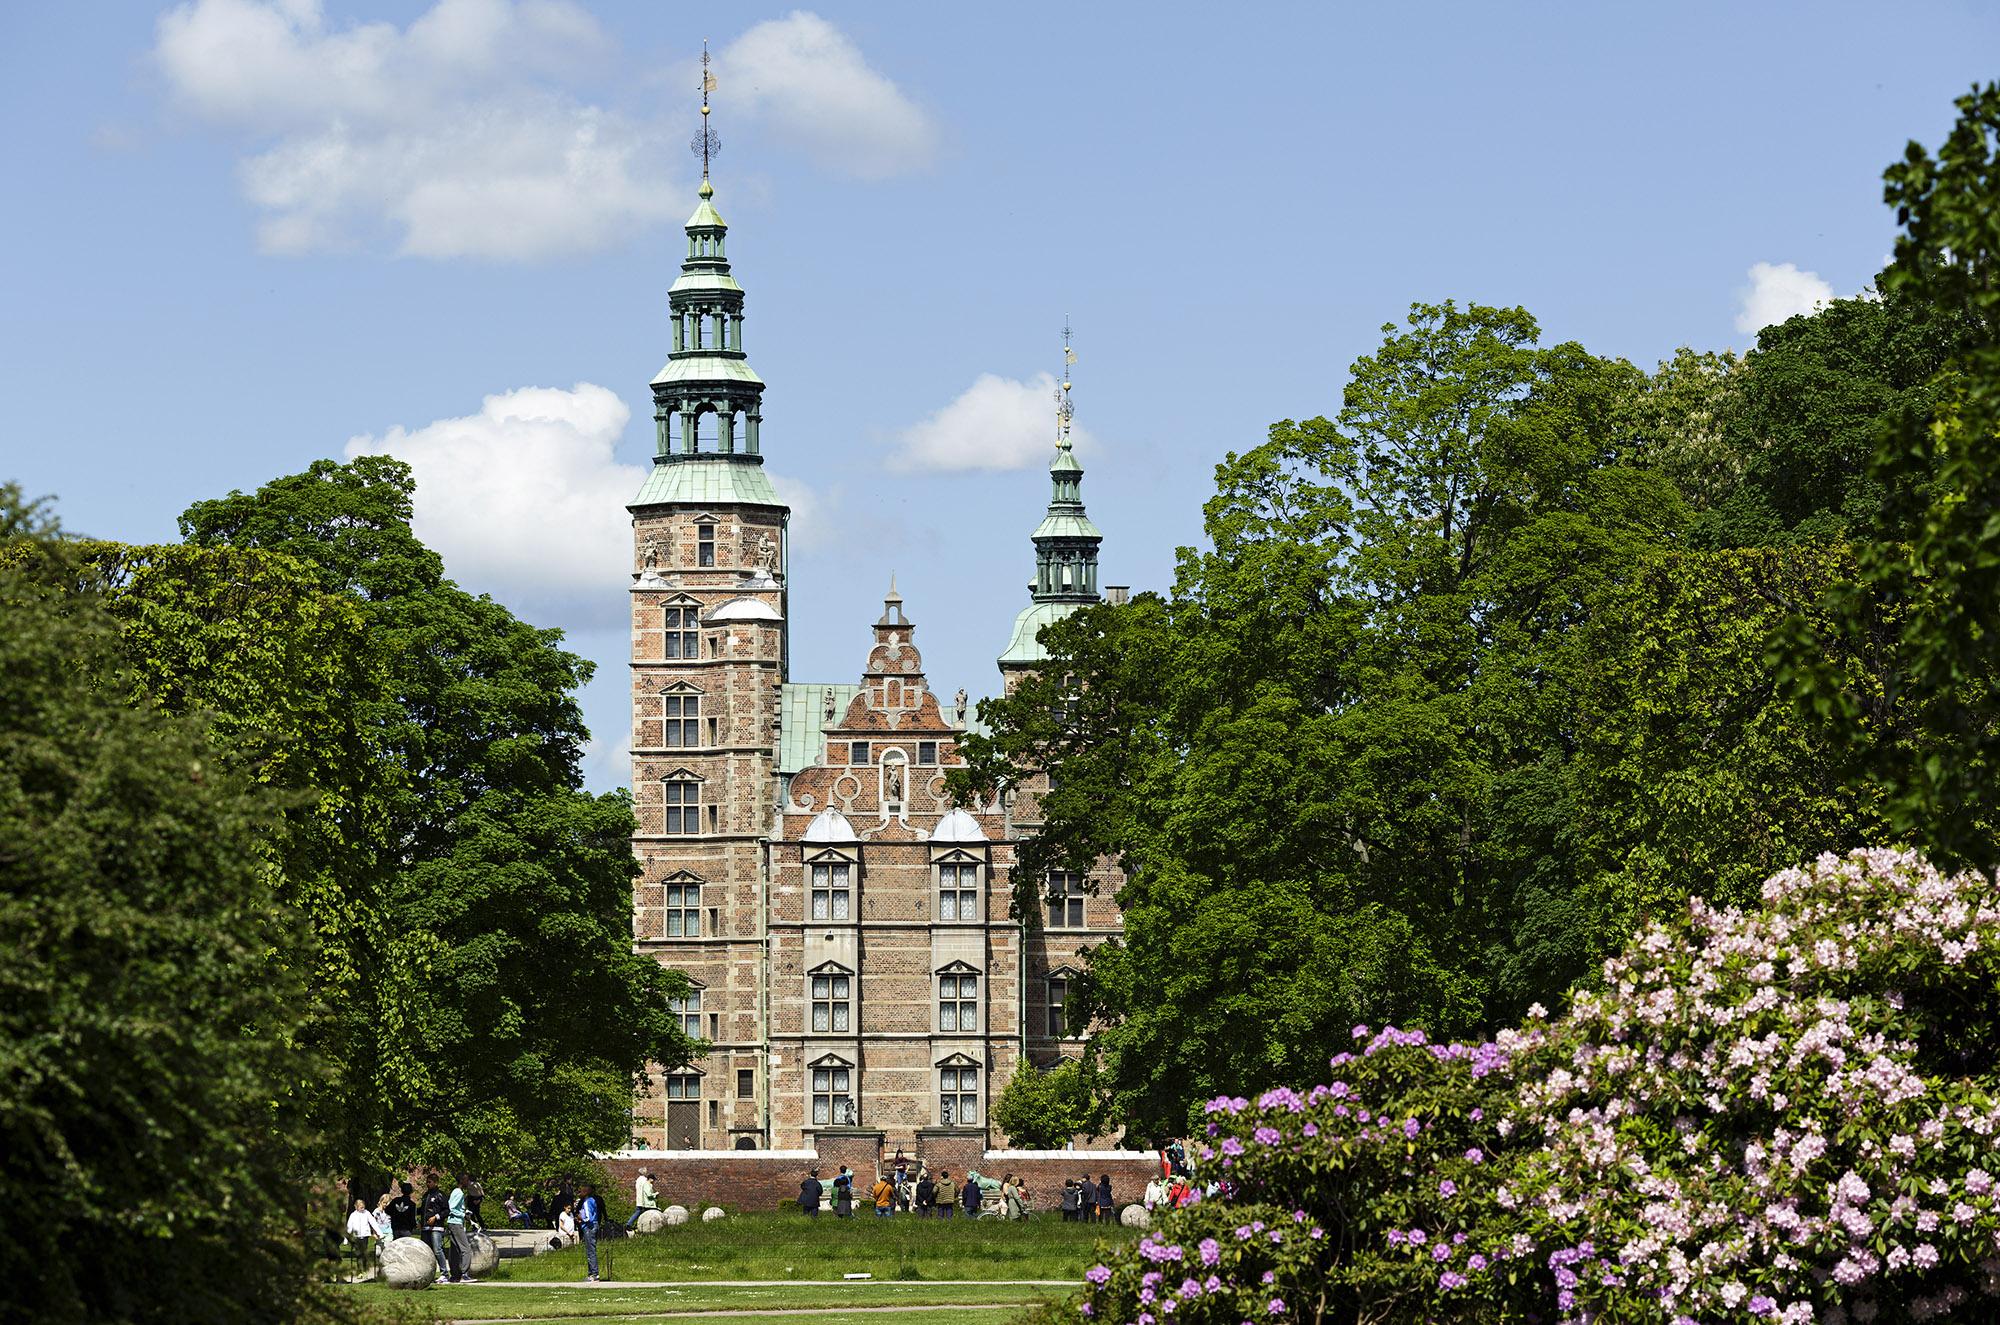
(525, 1301)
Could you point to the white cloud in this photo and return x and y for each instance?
(996, 423)
(461, 134)
(525, 500)
(803, 78)
(1778, 291)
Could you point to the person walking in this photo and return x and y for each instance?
(434, 1210)
(1106, 1208)
(945, 1192)
(644, 1198)
(884, 1193)
(810, 1192)
(589, 1215)
(456, 1213)
(925, 1195)
(360, 1235)
(843, 1194)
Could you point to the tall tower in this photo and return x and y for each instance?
(708, 663)
(1066, 545)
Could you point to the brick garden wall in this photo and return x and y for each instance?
(760, 1180)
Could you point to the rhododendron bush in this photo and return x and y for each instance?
(1784, 1115)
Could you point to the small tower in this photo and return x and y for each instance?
(1066, 545)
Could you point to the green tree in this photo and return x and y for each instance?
(147, 1026)
(1048, 1108)
(506, 890)
(1932, 552)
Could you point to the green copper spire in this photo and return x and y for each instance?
(1066, 542)
(707, 373)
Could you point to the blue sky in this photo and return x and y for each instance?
(242, 236)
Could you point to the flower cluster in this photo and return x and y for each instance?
(1784, 1115)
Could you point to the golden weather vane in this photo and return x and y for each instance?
(705, 143)
(1063, 407)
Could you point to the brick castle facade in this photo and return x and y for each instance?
(845, 926)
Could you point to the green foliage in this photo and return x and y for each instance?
(499, 1016)
(143, 1015)
(1048, 1108)
(1934, 548)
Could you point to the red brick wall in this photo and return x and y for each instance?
(733, 1179)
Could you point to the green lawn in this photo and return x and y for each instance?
(905, 1257)
(477, 1302)
(791, 1246)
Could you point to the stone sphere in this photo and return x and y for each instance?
(408, 1263)
(1135, 1216)
(710, 1215)
(485, 1256)
(676, 1214)
(651, 1221)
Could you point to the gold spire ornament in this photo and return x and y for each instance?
(705, 144)
(1064, 409)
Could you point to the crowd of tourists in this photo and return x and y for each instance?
(912, 1189)
(448, 1220)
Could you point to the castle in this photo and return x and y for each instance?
(844, 925)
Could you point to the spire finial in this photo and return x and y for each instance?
(705, 144)
(1063, 407)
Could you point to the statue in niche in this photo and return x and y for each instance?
(767, 555)
(892, 779)
(829, 703)
(651, 560)
(958, 700)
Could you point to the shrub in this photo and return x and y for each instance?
(1782, 1115)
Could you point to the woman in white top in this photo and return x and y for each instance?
(566, 1225)
(360, 1231)
(1156, 1194)
(384, 1230)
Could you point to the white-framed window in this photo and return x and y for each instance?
(958, 1004)
(683, 910)
(832, 1003)
(683, 626)
(1065, 900)
(683, 807)
(1058, 1012)
(683, 720)
(684, 1087)
(832, 890)
(832, 1094)
(688, 1009)
(958, 892)
(958, 1096)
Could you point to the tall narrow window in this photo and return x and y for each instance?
(683, 1112)
(683, 715)
(832, 1004)
(958, 1096)
(1065, 900)
(683, 632)
(832, 895)
(683, 910)
(688, 1009)
(1058, 996)
(704, 545)
(683, 808)
(832, 1096)
(958, 1004)
(746, 1083)
(958, 892)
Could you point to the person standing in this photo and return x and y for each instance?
(843, 1194)
(1069, 1201)
(1013, 1202)
(945, 1193)
(973, 1193)
(434, 1210)
(402, 1213)
(884, 1193)
(644, 1198)
(456, 1214)
(379, 1216)
(566, 1227)
(1106, 1213)
(589, 1215)
(810, 1192)
(1156, 1193)
(925, 1195)
(1086, 1199)
(475, 1197)
(361, 1234)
